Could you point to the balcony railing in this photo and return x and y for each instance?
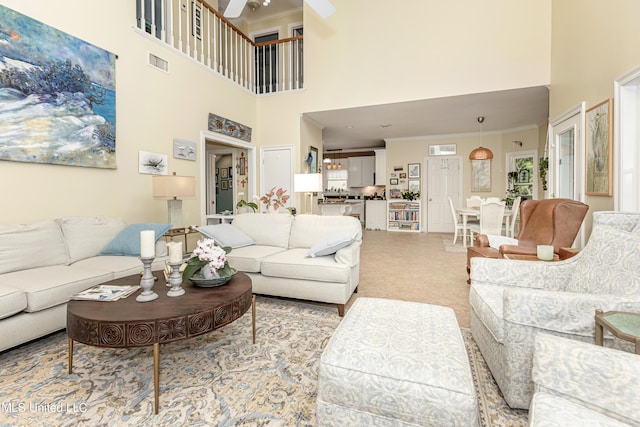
(202, 33)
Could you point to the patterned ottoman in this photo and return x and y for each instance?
(396, 363)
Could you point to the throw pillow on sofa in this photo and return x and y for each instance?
(226, 235)
(127, 243)
(332, 243)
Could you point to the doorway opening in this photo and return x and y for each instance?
(238, 185)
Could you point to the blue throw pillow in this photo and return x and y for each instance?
(127, 243)
(226, 235)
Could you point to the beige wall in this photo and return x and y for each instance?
(152, 108)
(594, 43)
(400, 152)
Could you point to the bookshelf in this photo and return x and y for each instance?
(403, 215)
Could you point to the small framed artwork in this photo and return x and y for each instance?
(242, 170)
(480, 175)
(230, 171)
(393, 181)
(185, 150)
(312, 159)
(224, 185)
(403, 175)
(224, 173)
(217, 171)
(414, 170)
(599, 155)
(230, 184)
(414, 185)
(153, 163)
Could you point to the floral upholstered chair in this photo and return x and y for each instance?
(512, 301)
(580, 384)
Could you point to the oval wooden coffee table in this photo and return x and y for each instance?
(128, 323)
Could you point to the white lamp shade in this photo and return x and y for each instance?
(307, 182)
(173, 186)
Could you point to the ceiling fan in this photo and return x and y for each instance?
(324, 8)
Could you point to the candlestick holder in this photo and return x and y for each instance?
(175, 280)
(146, 282)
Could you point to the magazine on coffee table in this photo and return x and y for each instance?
(105, 293)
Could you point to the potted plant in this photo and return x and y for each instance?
(411, 195)
(243, 206)
(275, 199)
(544, 167)
(209, 260)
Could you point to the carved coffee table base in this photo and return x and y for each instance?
(127, 323)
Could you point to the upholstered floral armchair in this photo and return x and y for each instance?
(511, 300)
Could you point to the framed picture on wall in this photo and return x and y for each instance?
(414, 185)
(243, 165)
(393, 181)
(480, 175)
(414, 170)
(223, 172)
(230, 171)
(224, 185)
(599, 155)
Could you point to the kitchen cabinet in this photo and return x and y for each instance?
(376, 215)
(381, 167)
(361, 171)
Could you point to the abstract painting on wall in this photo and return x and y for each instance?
(57, 96)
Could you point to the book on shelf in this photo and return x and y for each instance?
(105, 293)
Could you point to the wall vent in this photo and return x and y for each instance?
(159, 63)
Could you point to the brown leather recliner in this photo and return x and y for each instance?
(553, 222)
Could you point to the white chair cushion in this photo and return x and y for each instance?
(12, 301)
(266, 229)
(249, 258)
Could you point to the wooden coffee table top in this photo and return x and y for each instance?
(128, 323)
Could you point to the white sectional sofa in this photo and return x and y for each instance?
(276, 255)
(43, 264)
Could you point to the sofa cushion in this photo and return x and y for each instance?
(330, 244)
(266, 229)
(552, 410)
(294, 264)
(86, 237)
(24, 245)
(249, 258)
(306, 230)
(127, 242)
(488, 303)
(226, 235)
(119, 266)
(49, 286)
(12, 301)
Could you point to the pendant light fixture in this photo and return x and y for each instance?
(481, 153)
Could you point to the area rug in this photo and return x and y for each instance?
(450, 247)
(218, 379)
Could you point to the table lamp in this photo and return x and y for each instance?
(307, 183)
(171, 187)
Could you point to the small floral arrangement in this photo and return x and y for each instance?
(411, 195)
(275, 197)
(209, 259)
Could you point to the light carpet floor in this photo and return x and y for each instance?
(218, 379)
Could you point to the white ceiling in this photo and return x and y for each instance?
(361, 127)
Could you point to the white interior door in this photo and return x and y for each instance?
(277, 170)
(443, 180)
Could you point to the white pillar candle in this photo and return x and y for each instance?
(545, 252)
(147, 244)
(175, 252)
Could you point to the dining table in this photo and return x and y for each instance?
(467, 213)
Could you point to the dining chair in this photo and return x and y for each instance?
(491, 218)
(457, 223)
(515, 210)
(474, 202)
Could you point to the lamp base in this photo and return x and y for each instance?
(174, 207)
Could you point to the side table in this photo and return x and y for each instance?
(623, 325)
(183, 232)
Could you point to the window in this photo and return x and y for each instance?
(266, 60)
